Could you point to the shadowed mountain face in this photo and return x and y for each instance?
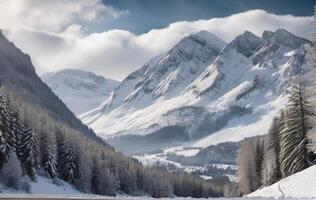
(213, 91)
(18, 75)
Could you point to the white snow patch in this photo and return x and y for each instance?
(45, 186)
(299, 185)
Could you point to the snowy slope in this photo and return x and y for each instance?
(80, 90)
(216, 92)
(45, 186)
(299, 185)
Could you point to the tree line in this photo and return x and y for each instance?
(285, 150)
(32, 144)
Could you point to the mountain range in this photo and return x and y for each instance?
(201, 92)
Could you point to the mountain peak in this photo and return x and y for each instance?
(80, 90)
(267, 34)
(201, 41)
(209, 37)
(283, 32)
(283, 37)
(246, 43)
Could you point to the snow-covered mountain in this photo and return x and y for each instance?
(80, 90)
(203, 91)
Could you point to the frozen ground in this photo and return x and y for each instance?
(299, 185)
(27, 197)
(44, 186)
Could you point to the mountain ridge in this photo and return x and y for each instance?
(245, 81)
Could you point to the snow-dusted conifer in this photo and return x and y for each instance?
(12, 124)
(293, 135)
(28, 151)
(4, 144)
(271, 166)
(48, 152)
(69, 162)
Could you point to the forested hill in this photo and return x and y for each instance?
(17, 74)
(39, 136)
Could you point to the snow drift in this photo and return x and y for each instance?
(299, 185)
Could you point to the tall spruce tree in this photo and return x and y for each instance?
(12, 124)
(69, 159)
(271, 166)
(312, 80)
(48, 149)
(4, 132)
(28, 151)
(293, 135)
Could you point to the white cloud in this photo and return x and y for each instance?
(53, 15)
(116, 53)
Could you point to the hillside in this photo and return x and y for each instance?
(18, 75)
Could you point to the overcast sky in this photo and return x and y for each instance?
(115, 37)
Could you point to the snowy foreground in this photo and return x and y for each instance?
(130, 198)
(43, 186)
(299, 185)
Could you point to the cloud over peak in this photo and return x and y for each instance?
(116, 53)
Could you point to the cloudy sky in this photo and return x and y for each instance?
(116, 37)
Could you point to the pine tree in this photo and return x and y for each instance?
(3, 147)
(4, 132)
(28, 150)
(312, 81)
(83, 182)
(95, 178)
(106, 181)
(271, 166)
(259, 147)
(49, 152)
(12, 123)
(69, 161)
(293, 135)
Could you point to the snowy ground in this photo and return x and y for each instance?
(21, 197)
(44, 186)
(299, 185)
